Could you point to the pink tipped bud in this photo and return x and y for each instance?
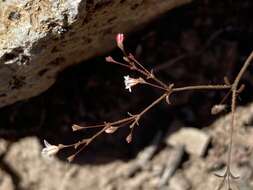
(218, 109)
(76, 127)
(111, 130)
(120, 40)
(110, 59)
(129, 138)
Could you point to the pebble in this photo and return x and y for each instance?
(6, 182)
(179, 182)
(194, 140)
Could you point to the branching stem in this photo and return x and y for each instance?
(153, 81)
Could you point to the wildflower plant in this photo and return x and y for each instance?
(147, 77)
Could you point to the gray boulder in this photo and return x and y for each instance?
(38, 39)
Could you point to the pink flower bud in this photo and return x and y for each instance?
(120, 40)
(110, 59)
(129, 138)
(76, 127)
(111, 130)
(218, 109)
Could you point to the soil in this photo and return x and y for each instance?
(195, 44)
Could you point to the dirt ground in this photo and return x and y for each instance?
(195, 44)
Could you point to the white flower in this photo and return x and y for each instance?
(49, 149)
(130, 82)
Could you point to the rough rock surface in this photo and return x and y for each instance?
(40, 38)
(3, 146)
(6, 181)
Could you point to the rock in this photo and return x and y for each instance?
(194, 140)
(199, 177)
(3, 146)
(38, 39)
(179, 182)
(36, 172)
(6, 182)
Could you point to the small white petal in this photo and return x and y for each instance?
(130, 82)
(49, 149)
(47, 144)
